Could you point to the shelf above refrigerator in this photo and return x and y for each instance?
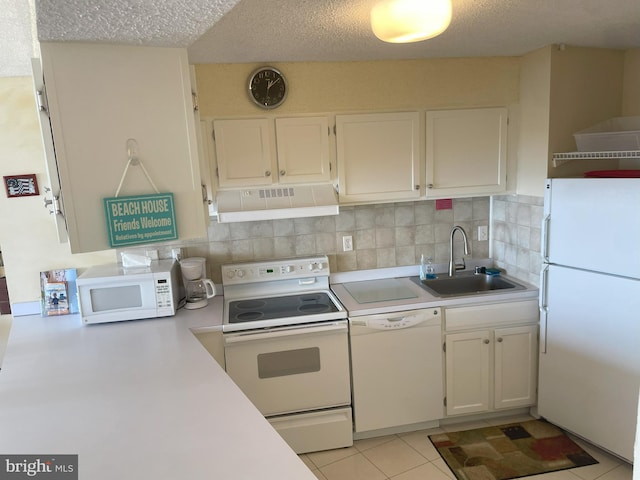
(561, 158)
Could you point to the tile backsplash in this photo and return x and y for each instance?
(384, 235)
(516, 225)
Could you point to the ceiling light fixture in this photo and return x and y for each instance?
(405, 21)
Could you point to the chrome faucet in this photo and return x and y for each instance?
(452, 265)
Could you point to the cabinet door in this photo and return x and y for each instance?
(466, 151)
(53, 195)
(516, 366)
(245, 152)
(378, 156)
(303, 150)
(100, 96)
(467, 364)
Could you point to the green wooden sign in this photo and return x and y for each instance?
(140, 219)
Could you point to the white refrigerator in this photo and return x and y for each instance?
(590, 310)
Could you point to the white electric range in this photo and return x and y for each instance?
(286, 346)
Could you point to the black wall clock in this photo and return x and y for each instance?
(267, 87)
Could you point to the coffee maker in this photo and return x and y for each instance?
(198, 289)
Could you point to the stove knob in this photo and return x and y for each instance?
(240, 273)
(289, 268)
(319, 265)
(230, 273)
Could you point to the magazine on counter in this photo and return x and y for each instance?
(58, 289)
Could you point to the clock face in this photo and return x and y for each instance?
(267, 87)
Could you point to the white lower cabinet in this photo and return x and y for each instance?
(491, 356)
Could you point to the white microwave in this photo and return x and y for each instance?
(110, 293)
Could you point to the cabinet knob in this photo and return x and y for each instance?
(417, 187)
(500, 339)
(486, 341)
(282, 173)
(429, 185)
(267, 173)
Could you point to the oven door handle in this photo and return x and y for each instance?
(285, 332)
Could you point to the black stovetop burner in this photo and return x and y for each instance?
(270, 308)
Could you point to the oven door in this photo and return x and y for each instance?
(291, 369)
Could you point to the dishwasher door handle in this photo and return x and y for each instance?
(406, 321)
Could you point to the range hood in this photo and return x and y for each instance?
(244, 205)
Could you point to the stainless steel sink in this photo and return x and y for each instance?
(467, 284)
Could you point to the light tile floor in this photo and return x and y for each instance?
(411, 456)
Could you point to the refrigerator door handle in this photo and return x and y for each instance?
(544, 312)
(544, 309)
(545, 238)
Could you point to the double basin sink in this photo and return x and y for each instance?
(467, 284)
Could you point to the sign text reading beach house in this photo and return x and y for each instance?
(140, 219)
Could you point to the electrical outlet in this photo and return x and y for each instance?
(483, 234)
(347, 243)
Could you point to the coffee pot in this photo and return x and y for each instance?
(198, 289)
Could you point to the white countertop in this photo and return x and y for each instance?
(135, 400)
(419, 298)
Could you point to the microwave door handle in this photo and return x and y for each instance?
(288, 332)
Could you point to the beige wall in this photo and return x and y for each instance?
(631, 86)
(565, 90)
(586, 88)
(356, 86)
(631, 95)
(28, 237)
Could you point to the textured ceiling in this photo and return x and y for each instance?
(219, 31)
(163, 23)
(326, 30)
(17, 44)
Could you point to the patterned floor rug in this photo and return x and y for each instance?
(509, 451)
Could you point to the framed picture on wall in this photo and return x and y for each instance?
(21, 185)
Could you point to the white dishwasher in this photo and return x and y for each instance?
(396, 361)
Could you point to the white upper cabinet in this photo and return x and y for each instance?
(245, 152)
(99, 96)
(303, 150)
(378, 156)
(466, 152)
(252, 152)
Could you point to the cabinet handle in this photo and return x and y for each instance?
(499, 339)
(486, 341)
(282, 173)
(267, 173)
